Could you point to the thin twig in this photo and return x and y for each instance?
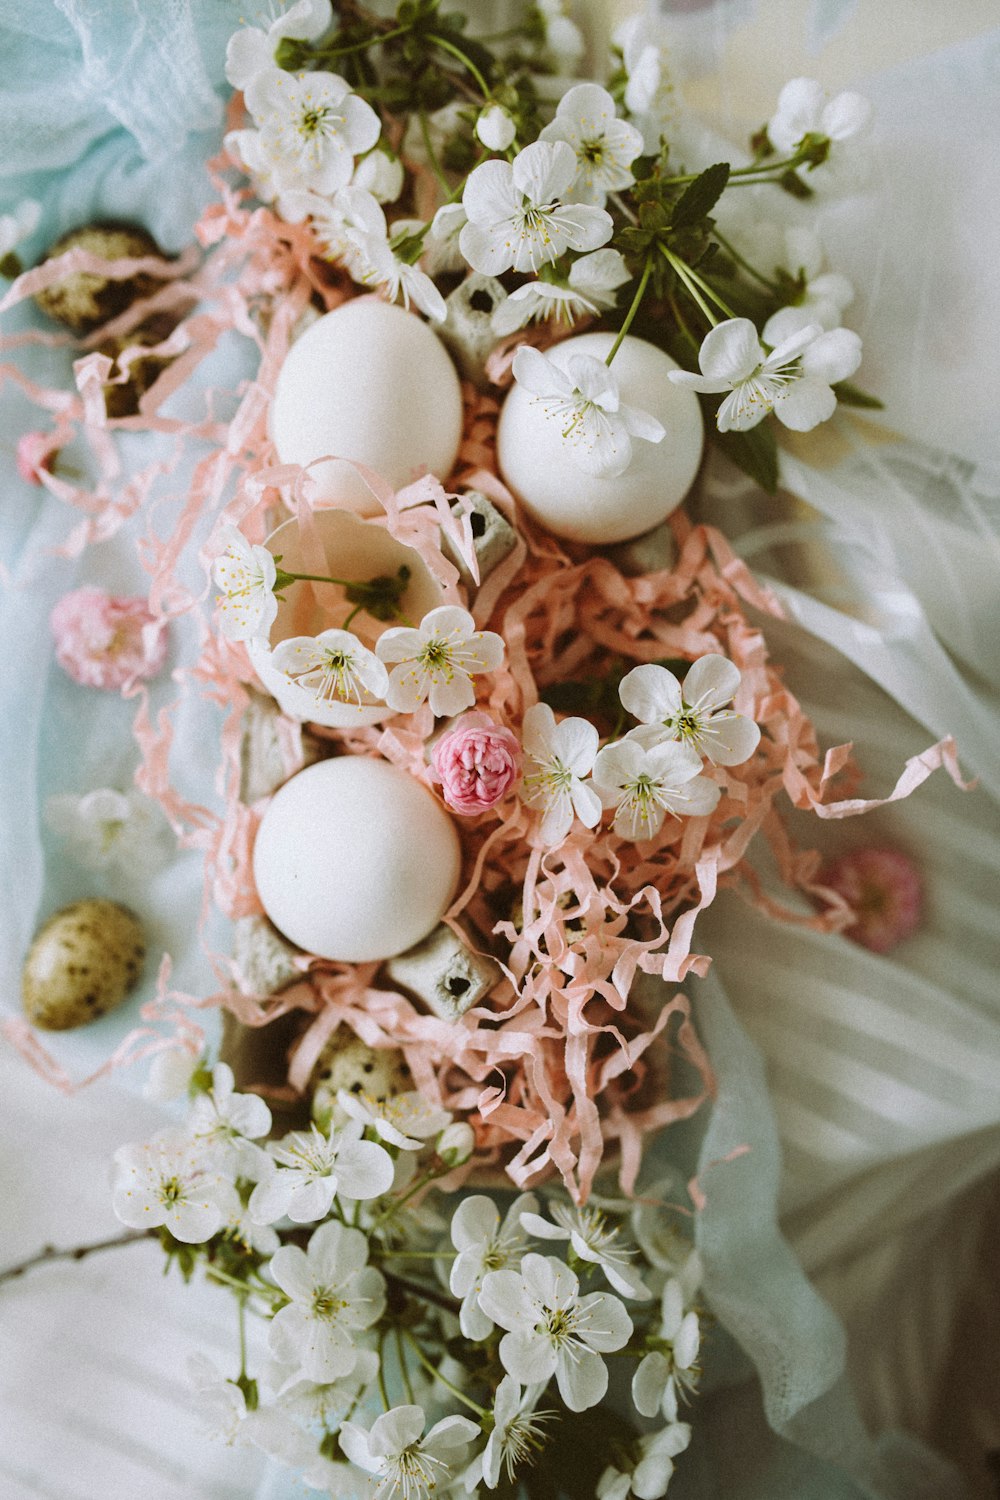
(75, 1252)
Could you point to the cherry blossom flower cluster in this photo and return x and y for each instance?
(654, 772)
(421, 1339)
(568, 189)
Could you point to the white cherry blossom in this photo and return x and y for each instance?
(694, 712)
(805, 108)
(484, 1242)
(794, 380)
(650, 98)
(650, 1477)
(552, 1330)
(246, 576)
(557, 758)
(380, 174)
(222, 1405)
(380, 266)
(592, 1239)
(311, 128)
(644, 785)
(518, 215)
(588, 289)
(597, 427)
(167, 1181)
(333, 1295)
(438, 661)
(564, 41)
(518, 1435)
(105, 829)
(310, 1170)
(826, 293)
(170, 1074)
(333, 667)
(403, 1120)
(227, 1123)
(604, 146)
(408, 1464)
(442, 247)
(251, 50)
(330, 1401)
(656, 1382)
(495, 128)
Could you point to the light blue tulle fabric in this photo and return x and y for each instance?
(110, 107)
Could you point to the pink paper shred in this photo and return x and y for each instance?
(560, 1061)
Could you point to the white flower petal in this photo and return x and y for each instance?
(804, 404)
(650, 693)
(833, 356)
(711, 682)
(731, 351)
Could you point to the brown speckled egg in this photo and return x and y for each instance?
(348, 1063)
(82, 963)
(84, 301)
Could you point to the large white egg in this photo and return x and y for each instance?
(354, 860)
(368, 381)
(537, 464)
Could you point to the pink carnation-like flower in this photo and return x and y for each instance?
(107, 642)
(884, 889)
(477, 763)
(35, 456)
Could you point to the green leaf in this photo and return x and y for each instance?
(755, 452)
(700, 196)
(852, 395)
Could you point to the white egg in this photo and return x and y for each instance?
(371, 382)
(536, 462)
(354, 860)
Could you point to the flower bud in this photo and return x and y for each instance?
(456, 1144)
(495, 128)
(379, 174)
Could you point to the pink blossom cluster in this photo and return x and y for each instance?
(477, 763)
(107, 641)
(884, 889)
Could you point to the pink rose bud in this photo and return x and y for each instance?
(107, 642)
(884, 889)
(35, 456)
(477, 763)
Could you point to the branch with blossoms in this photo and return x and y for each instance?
(384, 1300)
(578, 205)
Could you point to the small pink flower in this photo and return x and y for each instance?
(884, 889)
(107, 642)
(477, 763)
(35, 456)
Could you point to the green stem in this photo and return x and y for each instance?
(355, 611)
(387, 1404)
(242, 1306)
(416, 1254)
(432, 1369)
(710, 292)
(742, 172)
(630, 315)
(467, 63)
(404, 1372)
(682, 270)
(740, 260)
(324, 54)
(432, 155)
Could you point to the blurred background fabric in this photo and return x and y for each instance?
(849, 1256)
